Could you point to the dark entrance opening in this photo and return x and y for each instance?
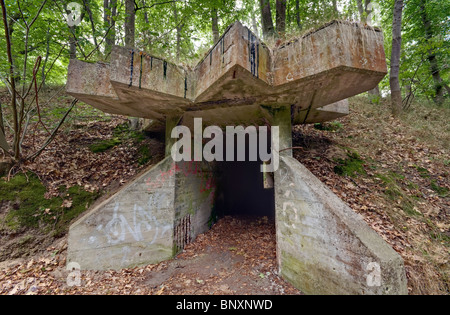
(240, 188)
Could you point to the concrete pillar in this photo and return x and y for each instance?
(171, 122)
(281, 117)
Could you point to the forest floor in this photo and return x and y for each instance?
(394, 172)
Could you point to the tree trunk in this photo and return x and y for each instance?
(178, 29)
(72, 43)
(2, 125)
(364, 13)
(254, 23)
(16, 126)
(130, 16)
(335, 8)
(281, 17)
(266, 17)
(434, 66)
(215, 25)
(110, 12)
(361, 11)
(396, 94)
(91, 19)
(73, 38)
(297, 15)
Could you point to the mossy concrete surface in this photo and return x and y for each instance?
(131, 228)
(147, 221)
(313, 74)
(323, 246)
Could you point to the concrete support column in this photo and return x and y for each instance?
(281, 117)
(171, 122)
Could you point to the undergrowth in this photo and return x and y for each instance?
(24, 195)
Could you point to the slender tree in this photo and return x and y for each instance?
(215, 24)
(432, 59)
(396, 94)
(297, 15)
(281, 17)
(109, 18)
(130, 20)
(12, 82)
(266, 18)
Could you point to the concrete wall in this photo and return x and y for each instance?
(148, 221)
(133, 227)
(323, 246)
(194, 197)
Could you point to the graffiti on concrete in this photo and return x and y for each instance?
(289, 209)
(187, 169)
(142, 220)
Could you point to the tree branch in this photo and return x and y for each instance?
(136, 8)
(54, 132)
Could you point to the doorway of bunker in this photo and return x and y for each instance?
(242, 189)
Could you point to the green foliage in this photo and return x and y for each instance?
(440, 190)
(352, 166)
(394, 191)
(144, 155)
(29, 208)
(124, 132)
(104, 145)
(332, 126)
(423, 172)
(121, 134)
(415, 69)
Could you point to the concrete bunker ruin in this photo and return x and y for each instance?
(323, 246)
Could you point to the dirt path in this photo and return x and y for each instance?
(237, 256)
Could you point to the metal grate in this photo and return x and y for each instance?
(183, 232)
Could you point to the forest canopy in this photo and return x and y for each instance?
(184, 29)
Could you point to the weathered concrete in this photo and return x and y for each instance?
(323, 246)
(323, 67)
(131, 228)
(194, 198)
(322, 114)
(148, 221)
(171, 122)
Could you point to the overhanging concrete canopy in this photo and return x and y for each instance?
(323, 67)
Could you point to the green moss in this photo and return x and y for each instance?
(352, 166)
(412, 185)
(423, 172)
(440, 237)
(440, 190)
(144, 155)
(104, 145)
(121, 134)
(30, 209)
(332, 126)
(124, 132)
(395, 192)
